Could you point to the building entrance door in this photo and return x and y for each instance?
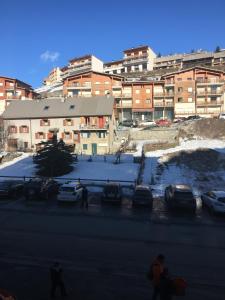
(94, 149)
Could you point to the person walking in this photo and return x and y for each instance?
(154, 274)
(84, 200)
(56, 273)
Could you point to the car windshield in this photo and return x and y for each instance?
(183, 195)
(67, 189)
(221, 199)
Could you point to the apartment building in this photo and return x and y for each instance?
(13, 89)
(86, 123)
(53, 77)
(138, 59)
(196, 91)
(114, 67)
(82, 64)
(201, 58)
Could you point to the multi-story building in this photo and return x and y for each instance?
(86, 123)
(138, 59)
(200, 58)
(196, 91)
(114, 67)
(13, 89)
(82, 64)
(53, 77)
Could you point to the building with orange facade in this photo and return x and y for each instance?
(13, 89)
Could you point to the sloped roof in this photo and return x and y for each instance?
(56, 108)
(195, 67)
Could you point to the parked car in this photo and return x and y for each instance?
(180, 196)
(70, 192)
(112, 192)
(147, 123)
(195, 117)
(39, 188)
(11, 188)
(142, 196)
(214, 200)
(163, 122)
(128, 123)
(222, 116)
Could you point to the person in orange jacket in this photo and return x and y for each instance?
(156, 269)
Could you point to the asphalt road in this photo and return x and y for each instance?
(105, 252)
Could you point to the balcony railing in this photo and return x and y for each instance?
(204, 93)
(156, 95)
(210, 81)
(159, 104)
(209, 103)
(134, 61)
(93, 127)
(124, 104)
(79, 86)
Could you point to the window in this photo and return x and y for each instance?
(67, 122)
(144, 66)
(137, 91)
(137, 101)
(12, 129)
(107, 82)
(85, 146)
(1, 83)
(190, 99)
(46, 107)
(190, 90)
(180, 100)
(44, 122)
(72, 106)
(189, 78)
(179, 79)
(101, 134)
(1, 94)
(24, 129)
(11, 84)
(85, 135)
(97, 92)
(148, 101)
(97, 82)
(148, 91)
(40, 135)
(180, 89)
(67, 135)
(213, 98)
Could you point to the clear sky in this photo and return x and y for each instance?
(37, 35)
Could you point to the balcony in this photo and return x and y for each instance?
(10, 88)
(78, 86)
(124, 104)
(144, 55)
(158, 95)
(169, 83)
(158, 104)
(135, 61)
(208, 93)
(211, 103)
(210, 81)
(93, 127)
(169, 104)
(76, 70)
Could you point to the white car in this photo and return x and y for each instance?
(70, 192)
(222, 116)
(215, 200)
(147, 123)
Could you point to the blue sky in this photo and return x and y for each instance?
(37, 35)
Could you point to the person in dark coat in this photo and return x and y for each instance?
(56, 273)
(166, 286)
(84, 200)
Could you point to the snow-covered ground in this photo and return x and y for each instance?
(97, 169)
(127, 170)
(173, 174)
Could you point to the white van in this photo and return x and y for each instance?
(70, 192)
